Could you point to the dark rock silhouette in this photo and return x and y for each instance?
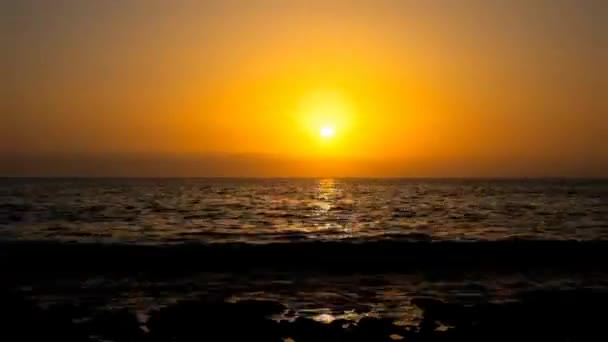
(121, 325)
(21, 320)
(219, 321)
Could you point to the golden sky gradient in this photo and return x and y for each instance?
(411, 88)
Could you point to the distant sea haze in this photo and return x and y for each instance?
(269, 165)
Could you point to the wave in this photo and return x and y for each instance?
(357, 256)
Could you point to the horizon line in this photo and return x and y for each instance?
(602, 178)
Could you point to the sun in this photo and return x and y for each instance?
(326, 115)
(327, 132)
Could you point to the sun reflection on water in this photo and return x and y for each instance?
(327, 190)
(328, 198)
(324, 212)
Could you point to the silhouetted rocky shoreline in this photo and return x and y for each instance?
(577, 315)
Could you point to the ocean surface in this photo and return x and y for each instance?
(326, 248)
(169, 211)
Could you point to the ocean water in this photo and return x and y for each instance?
(326, 248)
(168, 211)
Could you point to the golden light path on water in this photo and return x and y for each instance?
(325, 203)
(329, 195)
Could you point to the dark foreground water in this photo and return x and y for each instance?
(310, 260)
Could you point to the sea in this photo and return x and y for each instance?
(327, 249)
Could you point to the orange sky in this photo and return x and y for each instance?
(412, 88)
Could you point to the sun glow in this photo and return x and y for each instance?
(327, 132)
(325, 113)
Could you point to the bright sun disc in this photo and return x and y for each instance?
(327, 132)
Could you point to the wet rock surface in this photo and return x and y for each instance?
(539, 315)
